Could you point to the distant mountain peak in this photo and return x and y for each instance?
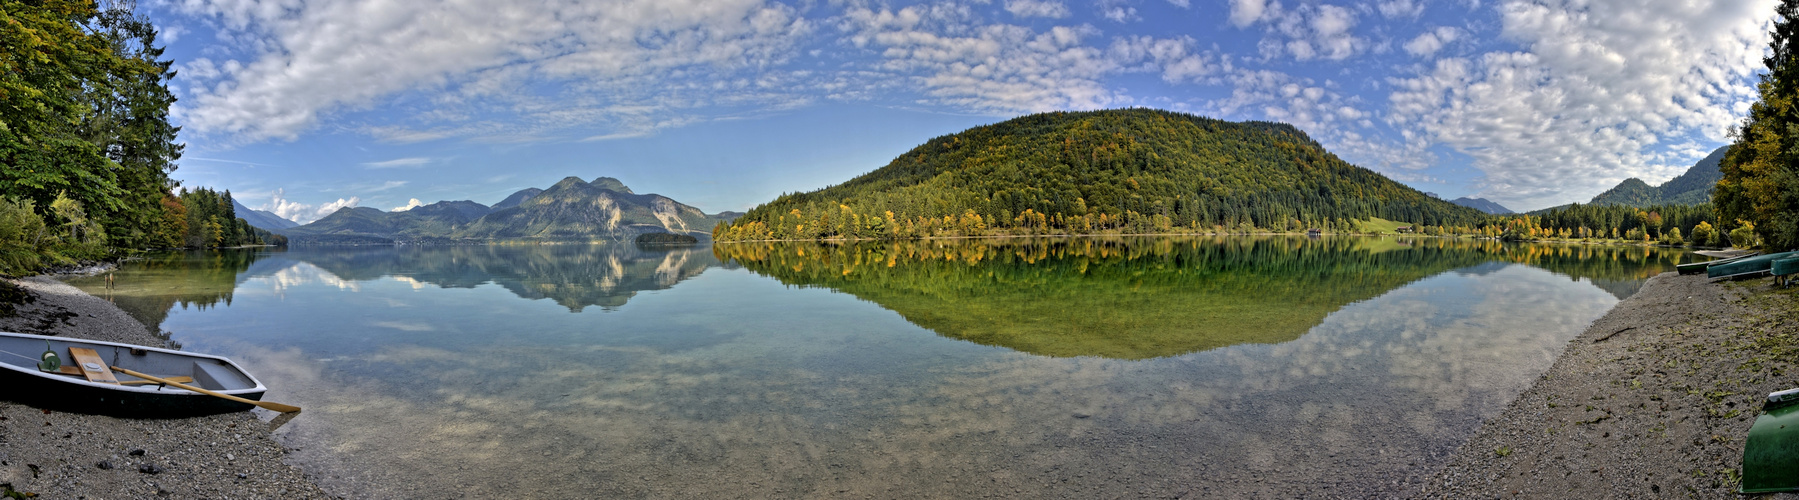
(568, 182)
(261, 218)
(515, 199)
(610, 183)
(1481, 204)
(1690, 188)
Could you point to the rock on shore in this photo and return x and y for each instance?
(1653, 400)
(64, 455)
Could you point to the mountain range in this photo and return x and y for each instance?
(1481, 204)
(1691, 188)
(261, 218)
(572, 209)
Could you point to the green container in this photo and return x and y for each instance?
(1771, 454)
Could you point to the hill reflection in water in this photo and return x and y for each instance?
(1139, 298)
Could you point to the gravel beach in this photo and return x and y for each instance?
(1653, 400)
(59, 455)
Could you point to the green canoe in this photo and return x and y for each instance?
(1699, 267)
(1746, 267)
(1771, 454)
(1784, 269)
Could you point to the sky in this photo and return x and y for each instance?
(301, 107)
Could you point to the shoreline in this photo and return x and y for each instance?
(1653, 399)
(70, 455)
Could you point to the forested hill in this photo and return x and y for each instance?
(1128, 170)
(1691, 188)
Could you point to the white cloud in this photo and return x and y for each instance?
(1119, 13)
(1596, 89)
(341, 203)
(301, 212)
(415, 203)
(1247, 12)
(1311, 31)
(1178, 59)
(399, 163)
(987, 68)
(958, 61)
(1037, 8)
(306, 60)
(1428, 43)
(280, 205)
(1395, 9)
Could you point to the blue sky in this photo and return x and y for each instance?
(303, 106)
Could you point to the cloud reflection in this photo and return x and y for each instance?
(856, 405)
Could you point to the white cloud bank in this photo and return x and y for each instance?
(1596, 88)
(958, 61)
(305, 60)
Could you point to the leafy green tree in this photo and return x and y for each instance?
(1744, 236)
(1703, 234)
(1760, 183)
(84, 112)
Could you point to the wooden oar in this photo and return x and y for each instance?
(265, 404)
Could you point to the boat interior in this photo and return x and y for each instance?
(93, 362)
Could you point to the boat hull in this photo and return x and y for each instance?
(21, 381)
(1785, 266)
(1747, 267)
(102, 401)
(1771, 452)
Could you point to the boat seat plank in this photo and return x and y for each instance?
(92, 366)
(182, 379)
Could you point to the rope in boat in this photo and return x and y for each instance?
(34, 360)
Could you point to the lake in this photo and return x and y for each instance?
(1053, 367)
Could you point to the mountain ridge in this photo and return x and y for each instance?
(261, 218)
(570, 209)
(1692, 187)
(1126, 170)
(1482, 204)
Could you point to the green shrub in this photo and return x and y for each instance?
(21, 237)
(1703, 234)
(1744, 235)
(1672, 237)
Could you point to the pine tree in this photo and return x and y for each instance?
(1761, 181)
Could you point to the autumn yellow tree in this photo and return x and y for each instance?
(1760, 184)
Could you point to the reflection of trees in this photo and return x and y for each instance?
(1118, 298)
(575, 276)
(1148, 297)
(148, 288)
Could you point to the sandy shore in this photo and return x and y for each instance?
(1653, 400)
(62, 455)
